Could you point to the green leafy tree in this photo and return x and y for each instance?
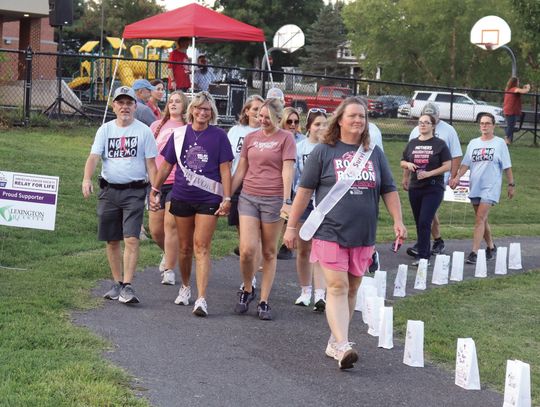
(322, 40)
(527, 36)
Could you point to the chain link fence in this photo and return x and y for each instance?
(68, 85)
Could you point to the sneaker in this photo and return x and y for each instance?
(237, 251)
(375, 265)
(200, 308)
(114, 292)
(168, 277)
(417, 262)
(184, 294)
(471, 258)
(162, 267)
(319, 300)
(284, 253)
(253, 284)
(244, 298)
(263, 310)
(127, 295)
(438, 246)
(305, 297)
(346, 356)
(491, 252)
(331, 350)
(413, 251)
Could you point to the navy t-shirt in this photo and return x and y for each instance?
(427, 155)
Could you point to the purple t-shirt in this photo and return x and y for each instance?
(202, 155)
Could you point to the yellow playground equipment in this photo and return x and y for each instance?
(95, 73)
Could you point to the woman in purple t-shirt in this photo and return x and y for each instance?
(266, 168)
(203, 154)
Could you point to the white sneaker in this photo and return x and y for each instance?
(162, 267)
(331, 350)
(319, 301)
(305, 297)
(346, 355)
(200, 308)
(168, 277)
(184, 294)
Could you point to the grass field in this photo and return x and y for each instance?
(46, 361)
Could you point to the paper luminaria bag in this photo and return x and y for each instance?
(386, 328)
(458, 259)
(480, 270)
(517, 385)
(413, 354)
(361, 294)
(401, 281)
(421, 275)
(500, 262)
(467, 375)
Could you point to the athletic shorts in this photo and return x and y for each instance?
(478, 201)
(164, 196)
(187, 209)
(233, 218)
(120, 213)
(353, 260)
(265, 208)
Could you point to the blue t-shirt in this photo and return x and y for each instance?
(203, 155)
(303, 149)
(124, 151)
(486, 160)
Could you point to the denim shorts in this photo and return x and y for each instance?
(264, 208)
(478, 201)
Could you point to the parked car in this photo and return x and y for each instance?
(390, 104)
(404, 111)
(375, 107)
(464, 107)
(328, 98)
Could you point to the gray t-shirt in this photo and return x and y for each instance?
(353, 221)
(144, 113)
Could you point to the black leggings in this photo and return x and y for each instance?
(424, 204)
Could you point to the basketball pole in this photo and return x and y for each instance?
(513, 57)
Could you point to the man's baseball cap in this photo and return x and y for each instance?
(432, 109)
(143, 84)
(275, 93)
(124, 91)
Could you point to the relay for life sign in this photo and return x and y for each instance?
(28, 200)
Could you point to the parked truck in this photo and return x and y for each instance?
(328, 98)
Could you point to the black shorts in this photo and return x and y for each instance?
(233, 218)
(164, 196)
(187, 209)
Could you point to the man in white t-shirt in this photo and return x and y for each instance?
(447, 133)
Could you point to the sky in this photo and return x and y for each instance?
(172, 4)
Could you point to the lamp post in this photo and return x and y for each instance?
(102, 22)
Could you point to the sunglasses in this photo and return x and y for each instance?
(290, 121)
(316, 110)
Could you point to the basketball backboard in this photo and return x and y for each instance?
(289, 38)
(490, 33)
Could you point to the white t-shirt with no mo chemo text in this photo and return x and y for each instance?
(486, 160)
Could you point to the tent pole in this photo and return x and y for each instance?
(193, 66)
(112, 80)
(268, 63)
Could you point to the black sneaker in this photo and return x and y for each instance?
(471, 259)
(237, 251)
(438, 246)
(320, 306)
(491, 252)
(244, 298)
(413, 251)
(284, 253)
(263, 310)
(375, 265)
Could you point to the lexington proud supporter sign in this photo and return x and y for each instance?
(28, 200)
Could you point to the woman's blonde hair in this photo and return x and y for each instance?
(275, 110)
(333, 131)
(286, 114)
(198, 100)
(167, 114)
(244, 118)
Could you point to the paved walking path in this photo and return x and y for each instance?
(231, 360)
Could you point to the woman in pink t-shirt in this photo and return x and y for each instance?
(266, 168)
(156, 96)
(162, 223)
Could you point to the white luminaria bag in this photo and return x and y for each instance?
(380, 283)
(467, 375)
(333, 196)
(386, 328)
(480, 269)
(517, 386)
(374, 306)
(514, 256)
(400, 283)
(500, 263)
(440, 270)
(421, 275)
(361, 294)
(458, 258)
(413, 354)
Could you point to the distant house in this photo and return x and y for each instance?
(346, 57)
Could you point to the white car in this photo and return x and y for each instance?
(464, 107)
(404, 111)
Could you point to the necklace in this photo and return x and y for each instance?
(198, 134)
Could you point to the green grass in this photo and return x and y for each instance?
(502, 315)
(46, 361)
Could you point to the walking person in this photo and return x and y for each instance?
(161, 221)
(512, 106)
(310, 275)
(178, 73)
(344, 241)
(266, 171)
(127, 151)
(201, 192)
(426, 158)
(487, 157)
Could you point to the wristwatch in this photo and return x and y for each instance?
(287, 201)
(511, 184)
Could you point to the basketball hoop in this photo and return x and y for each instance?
(488, 46)
(490, 33)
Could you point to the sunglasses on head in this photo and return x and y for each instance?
(316, 110)
(290, 121)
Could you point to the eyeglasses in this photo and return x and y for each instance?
(290, 121)
(425, 123)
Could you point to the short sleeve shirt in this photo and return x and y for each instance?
(426, 155)
(124, 151)
(512, 103)
(202, 155)
(352, 222)
(236, 136)
(265, 156)
(162, 138)
(179, 71)
(303, 150)
(375, 135)
(486, 160)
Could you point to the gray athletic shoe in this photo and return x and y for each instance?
(127, 295)
(114, 292)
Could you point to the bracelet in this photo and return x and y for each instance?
(156, 190)
(227, 198)
(290, 227)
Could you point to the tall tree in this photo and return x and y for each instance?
(322, 40)
(528, 16)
